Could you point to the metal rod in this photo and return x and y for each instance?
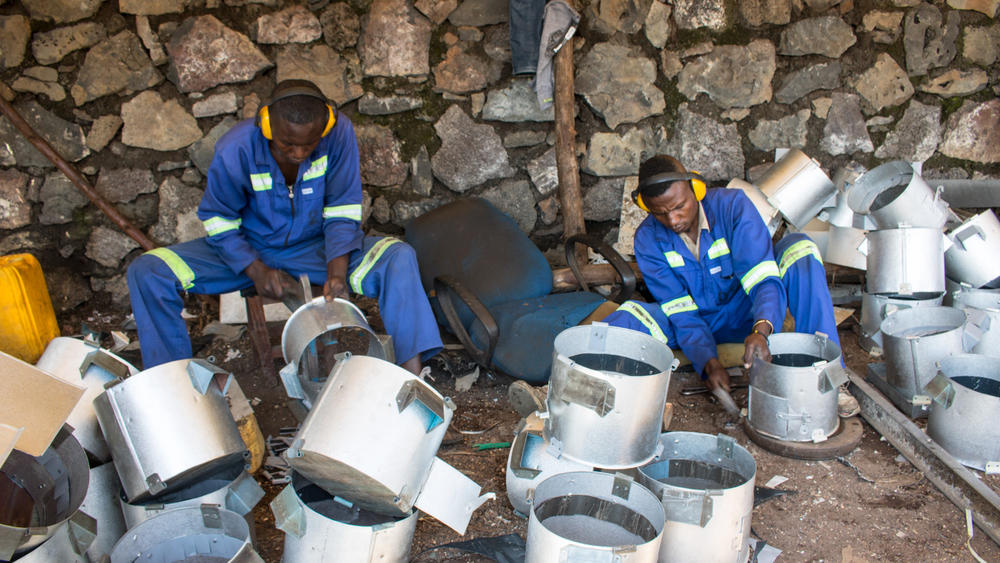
(969, 193)
(74, 176)
(957, 482)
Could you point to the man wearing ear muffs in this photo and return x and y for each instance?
(283, 194)
(706, 257)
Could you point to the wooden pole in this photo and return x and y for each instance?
(74, 176)
(594, 274)
(564, 100)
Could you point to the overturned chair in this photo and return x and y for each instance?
(506, 315)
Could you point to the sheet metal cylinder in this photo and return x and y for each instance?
(39, 494)
(594, 517)
(915, 340)
(768, 214)
(706, 485)
(905, 261)
(231, 488)
(529, 463)
(606, 395)
(894, 196)
(81, 362)
(101, 504)
(313, 336)
(797, 187)
(372, 435)
(169, 426)
(70, 542)
(983, 310)
(200, 533)
(321, 527)
(972, 257)
(794, 396)
(875, 308)
(966, 408)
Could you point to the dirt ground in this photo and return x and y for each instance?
(878, 508)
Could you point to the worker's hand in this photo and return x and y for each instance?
(336, 279)
(266, 280)
(335, 287)
(755, 346)
(716, 375)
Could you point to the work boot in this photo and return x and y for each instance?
(847, 405)
(526, 399)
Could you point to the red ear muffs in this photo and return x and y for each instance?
(698, 185)
(264, 116)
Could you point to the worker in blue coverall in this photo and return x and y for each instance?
(283, 193)
(706, 257)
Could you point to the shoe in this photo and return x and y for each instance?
(847, 405)
(526, 399)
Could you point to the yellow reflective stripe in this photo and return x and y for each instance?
(176, 264)
(645, 318)
(369, 260)
(718, 248)
(759, 273)
(217, 225)
(796, 252)
(675, 260)
(316, 169)
(343, 212)
(679, 305)
(260, 182)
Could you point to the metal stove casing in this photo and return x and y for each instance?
(894, 196)
(603, 416)
(706, 485)
(201, 533)
(529, 463)
(169, 426)
(796, 403)
(972, 258)
(797, 187)
(966, 409)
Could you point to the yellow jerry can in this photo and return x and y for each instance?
(27, 321)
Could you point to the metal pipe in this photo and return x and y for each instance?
(969, 193)
(75, 176)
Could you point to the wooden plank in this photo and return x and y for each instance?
(36, 401)
(953, 479)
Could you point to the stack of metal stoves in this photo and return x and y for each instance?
(155, 452)
(931, 295)
(596, 478)
(364, 459)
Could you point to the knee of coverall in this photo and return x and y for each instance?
(144, 269)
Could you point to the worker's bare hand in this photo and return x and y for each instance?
(716, 375)
(335, 287)
(268, 281)
(755, 346)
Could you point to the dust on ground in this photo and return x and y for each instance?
(875, 507)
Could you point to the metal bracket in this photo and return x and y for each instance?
(210, 516)
(580, 388)
(517, 456)
(689, 507)
(621, 487)
(413, 389)
(243, 494)
(105, 361)
(289, 516)
(154, 484)
(203, 373)
(724, 445)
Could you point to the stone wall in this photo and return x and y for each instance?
(136, 92)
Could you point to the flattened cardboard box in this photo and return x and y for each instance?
(34, 401)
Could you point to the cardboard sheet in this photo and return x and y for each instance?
(36, 401)
(8, 437)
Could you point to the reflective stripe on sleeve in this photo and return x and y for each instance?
(217, 225)
(260, 182)
(176, 264)
(316, 169)
(372, 256)
(645, 318)
(718, 248)
(674, 259)
(759, 273)
(352, 212)
(796, 252)
(679, 305)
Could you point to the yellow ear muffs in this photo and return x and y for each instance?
(698, 185)
(298, 88)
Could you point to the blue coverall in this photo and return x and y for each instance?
(734, 282)
(249, 212)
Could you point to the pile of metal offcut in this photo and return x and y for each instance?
(363, 462)
(156, 453)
